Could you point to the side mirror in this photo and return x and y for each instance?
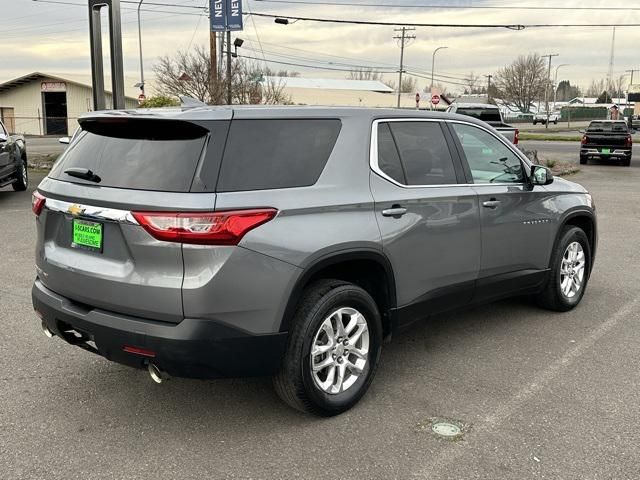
(64, 140)
(541, 175)
(3, 138)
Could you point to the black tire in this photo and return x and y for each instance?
(294, 383)
(535, 122)
(22, 181)
(626, 162)
(552, 297)
(583, 159)
(555, 122)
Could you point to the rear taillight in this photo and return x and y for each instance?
(584, 140)
(37, 203)
(629, 141)
(211, 228)
(516, 139)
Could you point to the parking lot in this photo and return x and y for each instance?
(543, 395)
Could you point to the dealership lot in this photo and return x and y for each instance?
(543, 395)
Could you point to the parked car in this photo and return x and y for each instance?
(489, 114)
(607, 139)
(13, 160)
(635, 122)
(541, 117)
(215, 242)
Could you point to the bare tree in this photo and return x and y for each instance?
(364, 74)
(522, 82)
(619, 86)
(189, 74)
(595, 88)
(472, 84)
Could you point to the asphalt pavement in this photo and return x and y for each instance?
(540, 394)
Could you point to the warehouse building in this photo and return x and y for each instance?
(50, 104)
(350, 93)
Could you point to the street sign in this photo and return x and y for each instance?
(234, 15)
(435, 99)
(226, 15)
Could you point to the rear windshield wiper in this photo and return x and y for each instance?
(84, 174)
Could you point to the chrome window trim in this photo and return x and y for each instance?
(91, 212)
(373, 152)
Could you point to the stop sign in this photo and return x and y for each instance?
(435, 99)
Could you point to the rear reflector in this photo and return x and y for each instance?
(211, 228)
(143, 352)
(37, 203)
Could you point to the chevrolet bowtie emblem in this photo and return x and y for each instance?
(75, 210)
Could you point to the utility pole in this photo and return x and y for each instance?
(140, 47)
(404, 39)
(546, 87)
(630, 120)
(213, 52)
(229, 67)
(489, 77)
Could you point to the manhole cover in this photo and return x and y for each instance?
(446, 429)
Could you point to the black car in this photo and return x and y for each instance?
(13, 160)
(607, 139)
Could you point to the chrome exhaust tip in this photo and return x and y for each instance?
(156, 374)
(47, 333)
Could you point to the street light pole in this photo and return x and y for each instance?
(555, 84)
(546, 88)
(433, 66)
(140, 46)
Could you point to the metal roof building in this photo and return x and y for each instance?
(50, 104)
(338, 92)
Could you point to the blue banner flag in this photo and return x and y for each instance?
(218, 13)
(234, 15)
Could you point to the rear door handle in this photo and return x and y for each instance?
(493, 203)
(394, 211)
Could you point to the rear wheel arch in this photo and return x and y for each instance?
(369, 269)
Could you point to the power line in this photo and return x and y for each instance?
(443, 7)
(449, 25)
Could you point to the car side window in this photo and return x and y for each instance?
(424, 155)
(3, 131)
(388, 158)
(489, 159)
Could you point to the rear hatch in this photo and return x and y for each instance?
(607, 134)
(91, 249)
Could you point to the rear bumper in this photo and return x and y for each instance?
(194, 348)
(597, 152)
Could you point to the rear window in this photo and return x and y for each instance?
(135, 154)
(608, 127)
(484, 114)
(267, 154)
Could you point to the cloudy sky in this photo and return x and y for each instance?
(53, 37)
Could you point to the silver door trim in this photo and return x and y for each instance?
(373, 152)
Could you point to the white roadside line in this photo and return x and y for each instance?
(451, 452)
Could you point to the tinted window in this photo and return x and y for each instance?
(266, 154)
(489, 159)
(424, 153)
(484, 114)
(138, 155)
(388, 158)
(608, 127)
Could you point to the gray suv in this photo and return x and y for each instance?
(292, 242)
